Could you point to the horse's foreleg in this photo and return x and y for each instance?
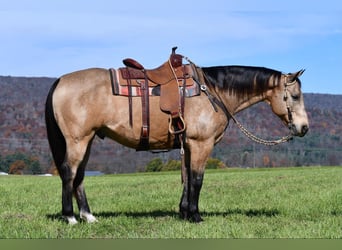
(195, 189)
(197, 157)
(184, 203)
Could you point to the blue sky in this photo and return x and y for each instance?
(52, 38)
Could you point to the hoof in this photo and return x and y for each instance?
(195, 217)
(88, 217)
(71, 220)
(183, 215)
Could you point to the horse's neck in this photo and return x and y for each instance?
(238, 104)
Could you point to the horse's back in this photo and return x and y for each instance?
(85, 79)
(81, 86)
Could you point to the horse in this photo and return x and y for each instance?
(80, 105)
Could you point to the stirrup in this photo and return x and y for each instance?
(174, 132)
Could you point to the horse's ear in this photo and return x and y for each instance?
(295, 75)
(300, 72)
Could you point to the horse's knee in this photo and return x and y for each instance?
(198, 179)
(196, 182)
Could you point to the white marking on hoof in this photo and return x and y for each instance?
(71, 220)
(88, 217)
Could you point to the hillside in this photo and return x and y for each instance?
(22, 129)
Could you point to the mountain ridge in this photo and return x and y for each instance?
(22, 128)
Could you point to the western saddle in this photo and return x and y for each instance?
(170, 79)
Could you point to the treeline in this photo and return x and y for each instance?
(157, 165)
(20, 163)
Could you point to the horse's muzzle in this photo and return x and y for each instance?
(301, 132)
(305, 129)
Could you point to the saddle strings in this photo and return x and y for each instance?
(182, 125)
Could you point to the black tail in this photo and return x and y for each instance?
(54, 134)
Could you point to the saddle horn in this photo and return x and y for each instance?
(176, 59)
(174, 50)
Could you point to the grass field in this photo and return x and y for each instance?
(235, 203)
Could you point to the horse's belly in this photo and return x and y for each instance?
(130, 136)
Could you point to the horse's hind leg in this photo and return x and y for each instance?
(67, 189)
(82, 203)
(72, 174)
(79, 191)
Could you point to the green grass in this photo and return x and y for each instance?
(235, 203)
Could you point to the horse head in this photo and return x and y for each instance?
(286, 100)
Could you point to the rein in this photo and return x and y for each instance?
(247, 132)
(216, 100)
(260, 140)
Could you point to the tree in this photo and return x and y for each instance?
(32, 164)
(3, 166)
(172, 165)
(214, 163)
(17, 167)
(266, 160)
(154, 165)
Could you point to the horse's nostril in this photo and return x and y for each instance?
(305, 129)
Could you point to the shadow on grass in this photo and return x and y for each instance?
(159, 213)
(336, 212)
(164, 213)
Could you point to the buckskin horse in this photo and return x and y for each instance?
(81, 105)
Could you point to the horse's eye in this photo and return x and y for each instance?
(295, 97)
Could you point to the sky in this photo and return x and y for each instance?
(52, 38)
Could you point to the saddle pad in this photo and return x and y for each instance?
(122, 88)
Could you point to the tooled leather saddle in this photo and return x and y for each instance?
(172, 81)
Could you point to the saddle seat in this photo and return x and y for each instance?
(157, 76)
(162, 75)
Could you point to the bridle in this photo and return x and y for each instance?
(216, 100)
(286, 99)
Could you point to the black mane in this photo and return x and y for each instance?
(241, 80)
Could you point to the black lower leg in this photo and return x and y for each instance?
(81, 199)
(195, 188)
(67, 190)
(79, 191)
(184, 202)
(188, 206)
(67, 208)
